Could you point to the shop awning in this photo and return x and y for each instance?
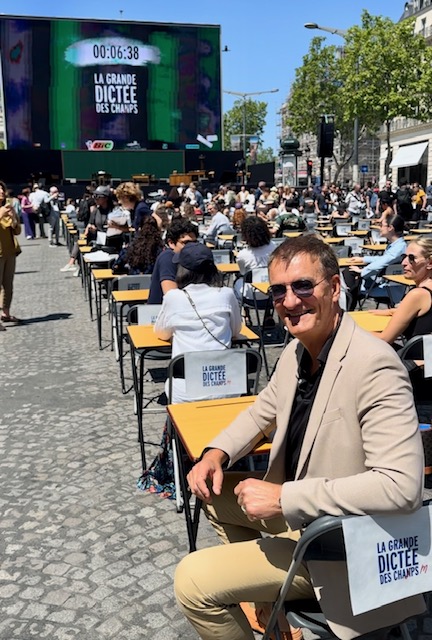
(409, 156)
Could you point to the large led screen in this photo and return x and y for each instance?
(86, 84)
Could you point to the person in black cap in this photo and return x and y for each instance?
(200, 315)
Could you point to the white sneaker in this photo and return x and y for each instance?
(76, 272)
(68, 267)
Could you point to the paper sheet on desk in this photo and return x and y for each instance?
(100, 256)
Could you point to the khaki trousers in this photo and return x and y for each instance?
(7, 272)
(210, 583)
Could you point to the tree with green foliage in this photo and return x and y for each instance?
(250, 112)
(266, 154)
(317, 90)
(387, 73)
(383, 71)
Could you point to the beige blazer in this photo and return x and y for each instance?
(362, 454)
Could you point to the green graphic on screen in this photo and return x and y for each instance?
(75, 84)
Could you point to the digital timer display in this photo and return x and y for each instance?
(78, 84)
(124, 51)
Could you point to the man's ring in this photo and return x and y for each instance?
(243, 508)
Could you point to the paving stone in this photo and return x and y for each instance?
(85, 555)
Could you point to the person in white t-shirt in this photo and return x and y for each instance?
(200, 315)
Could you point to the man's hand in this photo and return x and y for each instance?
(355, 269)
(208, 468)
(260, 500)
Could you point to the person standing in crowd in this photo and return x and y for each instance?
(10, 228)
(39, 200)
(419, 201)
(355, 203)
(28, 215)
(403, 201)
(322, 201)
(54, 217)
(385, 198)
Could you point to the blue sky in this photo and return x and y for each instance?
(266, 41)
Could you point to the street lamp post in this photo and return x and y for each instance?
(244, 96)
(342, 33)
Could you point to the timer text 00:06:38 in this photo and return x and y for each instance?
(115, 52)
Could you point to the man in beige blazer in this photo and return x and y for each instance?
(345, 441)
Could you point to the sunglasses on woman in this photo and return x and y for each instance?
(300, 288)
(411, 257)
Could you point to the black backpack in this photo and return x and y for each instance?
(290, 222)
(83, 214)
(403, 197)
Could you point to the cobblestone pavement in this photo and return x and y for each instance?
(83, 553)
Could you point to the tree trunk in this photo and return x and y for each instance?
(389, 151)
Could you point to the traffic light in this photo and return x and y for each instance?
(325, 137)
(309, 164)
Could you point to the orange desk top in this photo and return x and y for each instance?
(231, 267)
(374, 247)
(144, 337)
(369, 321)
(350, 262)
(199, 422)
(136, 295)
(401, 279)
(333, 240)
(103, 274)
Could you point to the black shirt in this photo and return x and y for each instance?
(307, 388)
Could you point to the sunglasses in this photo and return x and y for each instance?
(300, 288)
(411, 258)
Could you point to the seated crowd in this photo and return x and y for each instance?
(382, 466)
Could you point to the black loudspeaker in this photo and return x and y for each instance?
(325, 138)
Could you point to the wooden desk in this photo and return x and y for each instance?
(410, 237)
(401, 279)
(100, 277)
(119, 300)
(350, 262)
(369, 321)
(325, 228)
(421, 231)
(361, 233)
(229, 267)
(188, 419)
(375, 248)
(292, 234)
(226, 237)
(142, 340)
(262, 287)
(328, 240)
(84, 248)
(191, 438)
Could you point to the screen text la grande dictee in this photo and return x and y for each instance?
(115, 93)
